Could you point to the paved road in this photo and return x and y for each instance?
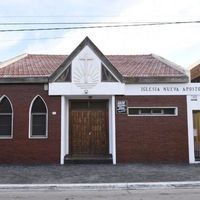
(163, 194)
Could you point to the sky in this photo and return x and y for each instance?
(178, 43)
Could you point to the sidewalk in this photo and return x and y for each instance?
(121, 173)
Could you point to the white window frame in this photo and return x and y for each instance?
(60, 74)
(103, 65)
(152, 114)
(11, 136)
(117, 80)
(30, 120)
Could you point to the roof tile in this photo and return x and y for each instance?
(150, 65)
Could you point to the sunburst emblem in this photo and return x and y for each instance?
(86, 75)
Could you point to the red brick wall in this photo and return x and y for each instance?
(152, 139)
(21, 149)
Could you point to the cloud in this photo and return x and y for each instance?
(8, 40)
(166, 41)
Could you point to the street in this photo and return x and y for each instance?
(164, 194)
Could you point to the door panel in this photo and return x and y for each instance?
(89, 130)
(80, 138)
(99, 132)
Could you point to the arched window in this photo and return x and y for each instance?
(38, 118)
(6, 118)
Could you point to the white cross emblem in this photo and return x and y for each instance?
(86, 62)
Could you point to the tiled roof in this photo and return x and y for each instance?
(145, 66)
(33, 65)
(195, 72)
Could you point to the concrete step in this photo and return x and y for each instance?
(88, 160)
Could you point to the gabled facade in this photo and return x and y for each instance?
(91, 107)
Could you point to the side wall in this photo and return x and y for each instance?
(151, 138)
(21, 149)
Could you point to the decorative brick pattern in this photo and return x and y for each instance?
(151, 138)
(21, 149)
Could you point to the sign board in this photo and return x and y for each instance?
(121, 106)
(163, 89)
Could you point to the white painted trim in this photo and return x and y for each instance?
(191, 106)
(162, 89)
(62, 142)
(67, 126)
(102, 63)
(110, 125)
(12, 60)
(30, 122)
(190, 131)
(101, 89)
(88, 97)
(116, 88)
(8, 137)
(152, 115)
(113, 131)
(65, 68)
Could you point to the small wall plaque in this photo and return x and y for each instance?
(121, 106)
(194, 98)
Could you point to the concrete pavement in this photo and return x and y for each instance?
(164, 194)
(121, 173)
(99, 177)
(102, 186)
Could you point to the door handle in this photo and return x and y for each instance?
(90, 132)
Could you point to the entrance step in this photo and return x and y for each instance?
(88, 160)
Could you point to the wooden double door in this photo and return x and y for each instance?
(89, 128)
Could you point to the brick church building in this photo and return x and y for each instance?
(91, 107)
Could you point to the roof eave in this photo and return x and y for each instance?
(11, 80)
(125, 79)
(152, 80)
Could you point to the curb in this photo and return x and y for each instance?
(103, 186)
